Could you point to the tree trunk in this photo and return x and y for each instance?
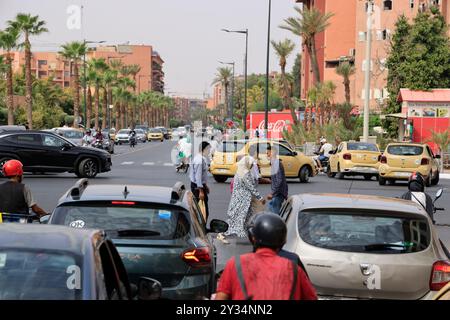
(111, 102)
(122, 116)
(118, 117)
(313, 58)
(88, 107)
(76, 90)
(347, 90)
(97, 105)
(9, 89)
(28, 82)
(105, 109)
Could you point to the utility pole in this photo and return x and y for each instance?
(368, 71)
(266, 101)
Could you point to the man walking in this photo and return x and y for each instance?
(199, 175)
(279, 184)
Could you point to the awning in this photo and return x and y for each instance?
(394, 115)
(435, 95)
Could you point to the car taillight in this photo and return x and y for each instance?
(440, 275)
(124, 203)
(383, 159)
(425, 162)
(197, 257)
(347, 156)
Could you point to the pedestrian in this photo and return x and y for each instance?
(244, 189)
(278, 180)
(199, 176)
(262, 274)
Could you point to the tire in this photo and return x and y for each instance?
(435, 181)
(2, 162)
(428, 180)
(304, 174)
(381, 181)
(88, 168)
(220, 179)
(339, 174)
(120, 143)
(368, 177)
(329, 173)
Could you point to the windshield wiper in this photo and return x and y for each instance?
(136, 233)
(380, 246)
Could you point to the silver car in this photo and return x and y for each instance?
(366, 247)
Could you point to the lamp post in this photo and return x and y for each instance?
(266, 100)
(367, 72)
(84, 76)
(111, 107)
(245, 73)
(231, 106)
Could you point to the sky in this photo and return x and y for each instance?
(187, 34)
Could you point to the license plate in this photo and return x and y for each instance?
(403, 174)
(222, 170)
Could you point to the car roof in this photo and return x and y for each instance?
(365, 202)
(8, 132)
(47, 237)
(406, 144)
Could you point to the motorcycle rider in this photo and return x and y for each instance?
(15, 197)
(98, 135)
(416, 193)
(88, 139)
(324, 152)
(132, 138)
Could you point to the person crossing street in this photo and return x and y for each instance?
(278, 178)
(198, 175)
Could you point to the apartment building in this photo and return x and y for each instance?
(345, 40)
(181, 111)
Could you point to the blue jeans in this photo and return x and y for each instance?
(275, 204)
(322, 158)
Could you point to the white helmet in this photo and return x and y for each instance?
(323, 140)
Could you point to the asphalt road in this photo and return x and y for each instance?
(151, 164)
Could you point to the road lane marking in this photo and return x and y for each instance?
(148, 164)
(168, 164)
(127, 163)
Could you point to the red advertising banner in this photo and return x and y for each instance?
(278, 122)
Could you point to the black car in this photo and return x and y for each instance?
(42, 152)
(39, 262)
(159, 233)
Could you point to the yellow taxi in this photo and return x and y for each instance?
(296, 165)
(356, 159)
(400, 160)
(155, 134)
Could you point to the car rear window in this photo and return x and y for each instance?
(231, 146)
(404, 150)
(124, 131)
(72, 134)
(364, 233)
(362, 147)
(167, 223)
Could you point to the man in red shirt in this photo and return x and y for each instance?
(264, 275)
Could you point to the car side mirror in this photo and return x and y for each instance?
(149, 289)
(218, 226)
(44, 219)
(66, 146)
(294, 153)
(439, 194)
(438, 156)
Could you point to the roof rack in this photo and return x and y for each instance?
(177, 192)
(77, 190)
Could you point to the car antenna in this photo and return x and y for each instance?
(126, 192)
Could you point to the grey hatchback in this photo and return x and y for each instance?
(366, 247)
(159, 233)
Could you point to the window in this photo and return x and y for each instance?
(377, 93)
(51, 141)
(331, 64)
(360, 146)
(42, 63)
(283, 151)
(387, 5)
(385, 93)
(362, 36)
(110, 274)
(231, 146)
(411, 4)
(405, 150)
(30, 139)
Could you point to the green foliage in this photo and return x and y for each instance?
(296, 75)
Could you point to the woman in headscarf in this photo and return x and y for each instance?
(244, 189)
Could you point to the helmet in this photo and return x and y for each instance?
(323, 140)
(268, 230)
(416, 182)
(13, 168)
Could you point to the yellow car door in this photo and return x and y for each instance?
(334, 159)
(290, 162)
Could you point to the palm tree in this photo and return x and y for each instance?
(90, 79)
(73, 51)
(109, 79)
(133, 71)
(99, 66)
(28, 25)
(283, 49)
(310, 23)
(8, 41)
(223, 76)
(346, 70)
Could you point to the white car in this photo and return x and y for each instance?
(123, 136)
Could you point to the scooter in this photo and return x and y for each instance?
(323, 163)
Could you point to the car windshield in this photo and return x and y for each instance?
(405, 150)
(232, 146)
(39, 275)
(363, 232)
(124, 131)
(163, 222)
(72, 134)
(358, 146)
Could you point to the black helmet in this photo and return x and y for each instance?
(416, 182)
(268, 230)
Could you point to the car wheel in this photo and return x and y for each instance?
(381, 181)
(428, 180)
(368, 177)
(304, 174)
(88, 168)
(339, 174)
(2, 162)
(329, 173)
(220, 179)
(120, 143)
(435, 180)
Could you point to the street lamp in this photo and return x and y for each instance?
(245, 73)
(266, 101)
(111, 107)
(231, 106)
(85, 84)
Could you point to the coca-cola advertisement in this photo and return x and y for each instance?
(278, 122)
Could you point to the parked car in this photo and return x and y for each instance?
(123, 136)
(39, 262)
(366, 247)
(155, 134)
(400, 160)
(296, 165)
(42, 152)
(12, 128)
(354, 158)
(159, 232)
(73, 135)
(165, 132)
(145, 128)
(141, 135)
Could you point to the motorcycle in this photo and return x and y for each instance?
(98, 144)
(182, 163)
(323, 163)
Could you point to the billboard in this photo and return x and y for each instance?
(278, 122)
